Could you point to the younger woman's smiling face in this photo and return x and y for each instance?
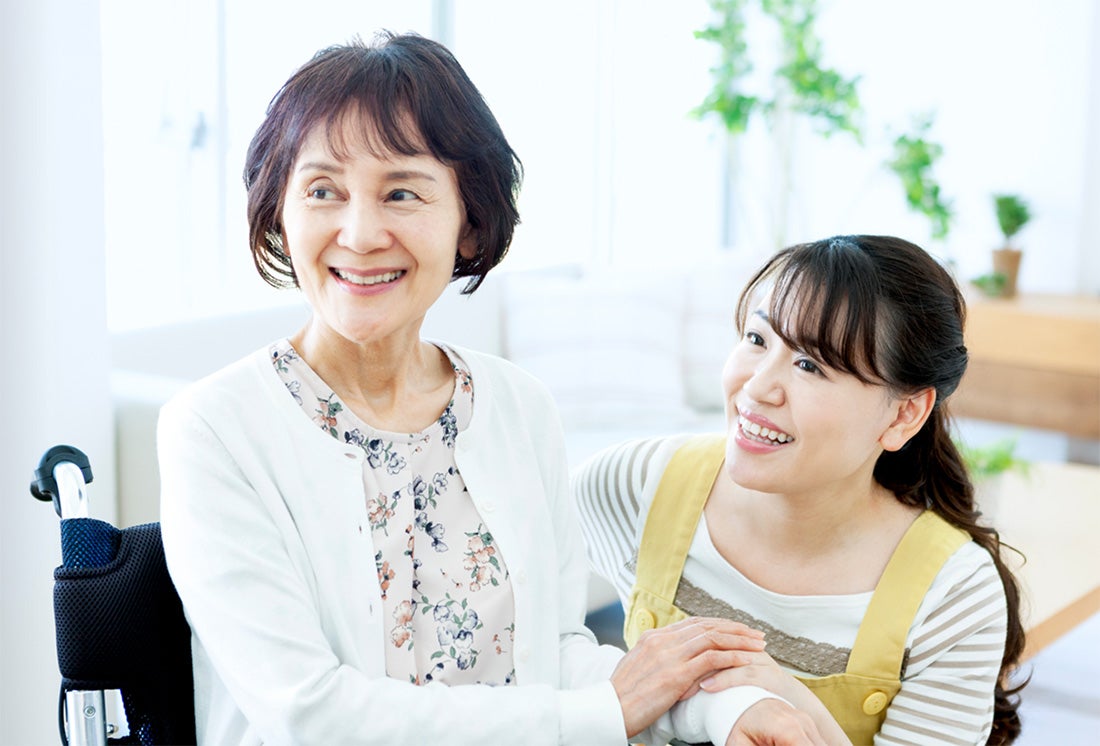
(372, 236)
(795, 425)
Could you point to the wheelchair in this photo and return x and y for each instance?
(119, 622)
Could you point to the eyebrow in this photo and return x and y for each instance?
(762, 314)
(404, 174)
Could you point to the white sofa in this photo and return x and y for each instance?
(626, 354)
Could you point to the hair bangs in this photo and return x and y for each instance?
(824, 302)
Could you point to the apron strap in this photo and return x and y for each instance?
(879, 649)
(669, 529)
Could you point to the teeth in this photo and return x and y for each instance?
(369, 279)
(762, 433)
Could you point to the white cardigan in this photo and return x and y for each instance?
(266, 535)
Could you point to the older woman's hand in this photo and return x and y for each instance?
(772, 722)
(667, 664)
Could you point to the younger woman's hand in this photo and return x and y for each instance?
(667, 664)
(761, 670)
(772, 722)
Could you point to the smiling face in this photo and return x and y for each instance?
(795, 425)
(372, 236)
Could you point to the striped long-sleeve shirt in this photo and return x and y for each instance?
(954, 645)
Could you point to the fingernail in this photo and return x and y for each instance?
(706, 683)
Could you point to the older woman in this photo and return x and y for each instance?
(835, 512)
(371, 533)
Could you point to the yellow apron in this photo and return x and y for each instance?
(857, 698)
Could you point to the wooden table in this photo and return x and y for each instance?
(1052, 515)
(1034, 361)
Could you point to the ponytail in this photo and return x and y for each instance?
(929, 472)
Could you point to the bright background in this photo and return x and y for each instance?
(595, 97)
(123, 125)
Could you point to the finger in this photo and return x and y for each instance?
(681, 646)
(713, 664)
(731, 641)
(709, 639)
(692, 626)
(718, 623)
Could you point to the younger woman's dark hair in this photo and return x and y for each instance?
(883, 310)
(413, 98)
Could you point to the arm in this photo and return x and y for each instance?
(666, 663)
(611, 497)
(955, 656)
(297, 672)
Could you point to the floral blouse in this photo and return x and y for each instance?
(446, 594)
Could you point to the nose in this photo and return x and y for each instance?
(766, 380)
(364, 227)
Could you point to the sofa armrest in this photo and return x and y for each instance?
(138, 398)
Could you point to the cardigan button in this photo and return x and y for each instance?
(875, 703)
(644, 620)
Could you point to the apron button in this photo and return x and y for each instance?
(875, 703)
(644, 619)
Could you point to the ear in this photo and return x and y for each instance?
(912, 412)
(467, 243)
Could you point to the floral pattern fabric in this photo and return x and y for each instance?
(446, 593)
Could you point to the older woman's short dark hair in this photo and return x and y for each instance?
(413, 96)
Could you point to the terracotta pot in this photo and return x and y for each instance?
(1006, 261)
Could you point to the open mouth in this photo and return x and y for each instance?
(369, 279)
(755, 432)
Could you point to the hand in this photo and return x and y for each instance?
(772, 722)
(667, 664)
(761, 670)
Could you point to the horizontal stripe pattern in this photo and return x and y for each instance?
(955, 645)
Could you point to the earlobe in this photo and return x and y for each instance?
(912, 412)
(467, 243)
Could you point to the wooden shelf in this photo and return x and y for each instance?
(1034, 361)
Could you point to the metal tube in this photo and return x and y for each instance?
(72, 491)
(86, 718)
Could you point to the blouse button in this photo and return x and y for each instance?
(490, 506)
(875, 703)
(521, 577)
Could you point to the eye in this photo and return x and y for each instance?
(403, 195)
(809, 366)
(321, 193)
(754, 339)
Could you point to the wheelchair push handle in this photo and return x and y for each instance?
(62, 475)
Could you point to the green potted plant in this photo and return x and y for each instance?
(986, 465)
(913, 160)
(1013, 213)
(799, 85)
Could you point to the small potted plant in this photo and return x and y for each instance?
(1013, 214)
(986, 465)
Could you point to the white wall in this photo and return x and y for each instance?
(53, 377)
(595, 98)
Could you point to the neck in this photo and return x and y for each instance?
(818, 520)
(396, 384)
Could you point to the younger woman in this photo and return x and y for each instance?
(835, 514)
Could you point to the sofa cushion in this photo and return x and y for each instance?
(607, 344)
(709, 331)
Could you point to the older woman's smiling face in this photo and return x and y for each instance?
(372, 237)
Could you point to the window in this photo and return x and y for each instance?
(184, 87)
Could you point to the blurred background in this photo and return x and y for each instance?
(124, 126)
